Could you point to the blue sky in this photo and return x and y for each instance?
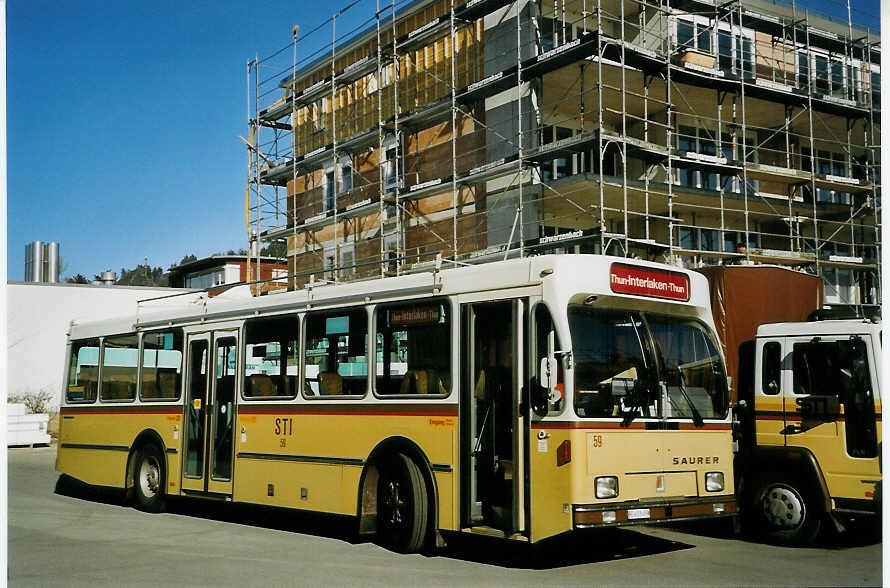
(123, 122)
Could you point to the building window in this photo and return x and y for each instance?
(685, 34)
(803, 70)
(347, 261)
(563, 164)
(206, 279)
(320, 115)
(330, 195)
(345, 177)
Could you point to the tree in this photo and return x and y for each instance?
(274, 249)
(187, 259)
(78, 279)
(142, 275)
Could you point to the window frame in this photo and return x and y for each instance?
(102, 370)
(243, 350)
(372, 342)
(534, 366)
(304, 321)
(71, 344)
(181, 365)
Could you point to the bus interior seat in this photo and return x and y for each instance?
(290, 385)
(414, 382)
(330, 384)
(261, 385)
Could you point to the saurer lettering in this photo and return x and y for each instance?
(697, 460)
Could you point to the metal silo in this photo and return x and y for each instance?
(51, 262)
(33, 261)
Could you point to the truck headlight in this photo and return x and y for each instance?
(606, 486)
(714, 481)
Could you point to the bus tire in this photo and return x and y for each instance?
(787, 511)
(149, 479)
(402, 505)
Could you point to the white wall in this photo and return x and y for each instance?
(39, 316)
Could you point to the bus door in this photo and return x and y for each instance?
(209, 412)
(492, 425)
(830, 410)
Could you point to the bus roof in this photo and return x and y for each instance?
(561, 276)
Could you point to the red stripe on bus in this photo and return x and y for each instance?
(576, 425)
(358, 409)
(122, 410)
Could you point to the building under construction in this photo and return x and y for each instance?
(689, 131)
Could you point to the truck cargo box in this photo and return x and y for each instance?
(744, 297)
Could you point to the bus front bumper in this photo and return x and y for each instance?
(635, 512)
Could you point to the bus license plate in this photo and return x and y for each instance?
(637, 513)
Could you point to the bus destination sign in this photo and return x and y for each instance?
(646, 281)
(414, 315)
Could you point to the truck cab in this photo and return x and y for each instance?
(811, 434)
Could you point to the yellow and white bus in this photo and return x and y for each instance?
(522, 399)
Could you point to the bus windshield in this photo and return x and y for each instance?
(630, 364)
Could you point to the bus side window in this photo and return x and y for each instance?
(120, 358)
(83, 371)
(413, 349)
(161, 365)
(772, 368)
(272, 357)
(546, 346)
(336, 353)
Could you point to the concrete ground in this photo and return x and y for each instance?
(62, 534)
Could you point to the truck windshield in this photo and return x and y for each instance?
(638, 364)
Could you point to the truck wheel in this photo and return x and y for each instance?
(787, 511)
(402, 505)
(149, 479)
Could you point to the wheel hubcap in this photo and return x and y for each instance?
(149, 477)
(783, 507)
(395, 504)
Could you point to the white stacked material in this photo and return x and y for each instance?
(25, 429)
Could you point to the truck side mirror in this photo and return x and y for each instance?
(819, 408)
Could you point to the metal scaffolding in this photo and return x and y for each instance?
(688, 131)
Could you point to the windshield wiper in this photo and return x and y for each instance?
(639, 400)
(696, 416)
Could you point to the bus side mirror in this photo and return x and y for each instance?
(547, 373)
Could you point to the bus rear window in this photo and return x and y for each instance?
(120, 360)
(83, 371)
(413, 349)
(161, 365)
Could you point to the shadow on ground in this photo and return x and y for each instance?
(856, 532)
(582, 547)
(570, 549)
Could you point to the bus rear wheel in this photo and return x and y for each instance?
(787, 513)
(149, 479)
(402, 505)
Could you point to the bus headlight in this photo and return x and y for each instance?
(714, 481)
(606, 486)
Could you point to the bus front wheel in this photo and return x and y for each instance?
(402, 505)
(149, 479)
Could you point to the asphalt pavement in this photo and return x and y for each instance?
(65, 534)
